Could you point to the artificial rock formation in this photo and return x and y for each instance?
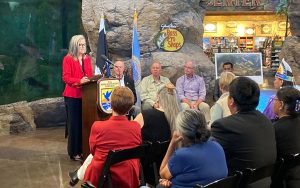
(291, 47)
(49, 112)
(186, 15)
(16, 118)
(22, 117)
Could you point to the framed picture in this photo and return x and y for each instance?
(244, 64)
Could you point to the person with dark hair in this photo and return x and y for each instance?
(283, 77)
(198, 160)
(115, 134)
(247, 133)
(227, 67)
(76, 69)
(287, 129)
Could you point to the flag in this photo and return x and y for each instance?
(102, 48)
(135, 59)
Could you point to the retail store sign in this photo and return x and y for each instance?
(241, 5)
(169, 38)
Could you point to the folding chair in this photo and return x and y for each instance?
(251, 175)
(115, 157)
(289, 162)
(228, 182)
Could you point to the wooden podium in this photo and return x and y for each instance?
(90, 113)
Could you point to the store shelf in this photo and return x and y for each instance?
(275, 58)
(246, 43)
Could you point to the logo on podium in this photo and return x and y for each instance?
(104, 91)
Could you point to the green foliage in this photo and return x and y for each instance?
(282, 7)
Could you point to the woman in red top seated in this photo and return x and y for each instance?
(76, 69)
(114, 134)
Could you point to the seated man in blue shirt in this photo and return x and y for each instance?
(191, 90)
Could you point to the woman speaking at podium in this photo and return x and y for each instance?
(76, 69)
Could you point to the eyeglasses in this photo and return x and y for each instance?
(186, 67)
(82, 45)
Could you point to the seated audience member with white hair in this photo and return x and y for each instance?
(220, 108)
(198, 160)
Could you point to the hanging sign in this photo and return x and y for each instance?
(169, 38)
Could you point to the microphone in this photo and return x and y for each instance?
(103, 57)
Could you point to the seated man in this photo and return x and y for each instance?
(125, 80)
(150, 85)
(191, 90)
(247, 136)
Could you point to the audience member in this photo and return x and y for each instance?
(125, 80)
(287, 129)
(247, 136)
(150, 86)
(114, 134)
(159, 123)
(283, 77)
(220, 108)
(198, 160)
(227, 67)
(76, 69)
(191, 90)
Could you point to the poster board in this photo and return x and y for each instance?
(244, 64)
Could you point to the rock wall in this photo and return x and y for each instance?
(186, 15)
(294, 17)
(291, 47)
(22, 117)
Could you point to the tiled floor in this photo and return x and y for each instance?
(34, 160)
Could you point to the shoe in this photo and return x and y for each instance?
(73, 178)
(76, 158)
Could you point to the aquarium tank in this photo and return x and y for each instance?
(35, 37)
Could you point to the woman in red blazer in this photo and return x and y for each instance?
(115, 134)
(76, 69)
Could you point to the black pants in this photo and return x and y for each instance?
(74, 125)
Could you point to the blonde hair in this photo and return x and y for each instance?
(225, 79)
(74, 45)
(168, 101)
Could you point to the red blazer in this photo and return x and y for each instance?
(113, 134)
(72, 74)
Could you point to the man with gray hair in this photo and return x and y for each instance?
(191, 90)
(150, 85)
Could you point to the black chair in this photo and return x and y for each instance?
(115, 157)
(251, 175)
(154, 156)
(228, 182)
(289, 162)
